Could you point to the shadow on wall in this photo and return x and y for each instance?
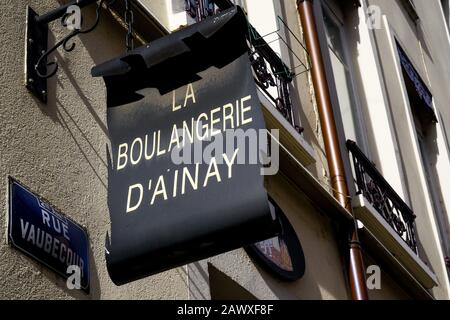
(193, 277)
(55, 108)
(74, 78)
(98, 51)
(52, 277)
(416, 28)
(433, 153)
(222, 287)
(78, 143)
(82, 96)
(95, 289)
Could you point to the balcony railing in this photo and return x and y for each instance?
(271, 74)
(200, 9)
(372, 185)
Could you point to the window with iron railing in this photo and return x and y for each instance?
(371, 184)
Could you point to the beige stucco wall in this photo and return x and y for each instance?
(59, 151)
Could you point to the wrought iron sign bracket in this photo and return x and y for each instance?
(37, 67)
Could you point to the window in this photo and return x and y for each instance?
(350, 114)
(421, 103)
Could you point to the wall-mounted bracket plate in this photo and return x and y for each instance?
(36, 40)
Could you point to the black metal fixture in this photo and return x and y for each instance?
(129, 21)
(37, 67)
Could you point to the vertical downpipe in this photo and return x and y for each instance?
(334, 156)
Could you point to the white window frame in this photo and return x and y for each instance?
(332, 10)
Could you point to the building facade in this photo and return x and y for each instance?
(385, 64)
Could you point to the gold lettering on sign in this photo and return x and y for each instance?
(200, 127)
(190, 95)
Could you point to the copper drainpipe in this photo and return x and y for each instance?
(333, 152)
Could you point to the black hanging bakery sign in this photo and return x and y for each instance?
(168, 205)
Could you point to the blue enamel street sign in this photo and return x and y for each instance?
(45, 235)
